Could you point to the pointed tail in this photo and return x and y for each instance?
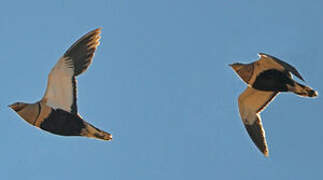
(303, 90)
(93, 132)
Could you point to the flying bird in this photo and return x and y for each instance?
(266, 78)
(57, 111)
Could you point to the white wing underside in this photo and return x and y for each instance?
(252, 102)
(61, 86)
(59, 92)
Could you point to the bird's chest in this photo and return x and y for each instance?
(62, 123)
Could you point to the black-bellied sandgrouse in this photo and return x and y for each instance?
(265, 78)
(57, 111)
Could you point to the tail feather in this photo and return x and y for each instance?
(303, 90)
(93, 132)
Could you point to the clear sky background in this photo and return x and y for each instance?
(161, 84)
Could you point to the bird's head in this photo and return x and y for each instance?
(18, 106)
(244, 71)
(237, 66)
(29, 112)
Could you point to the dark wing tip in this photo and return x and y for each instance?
(81, 53)
(262, 54)
(93, 33)
(267, 56)
(286, 65)
(257, 134)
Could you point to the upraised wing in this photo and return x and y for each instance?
(61, 89)
(285, 65)
(251, 103)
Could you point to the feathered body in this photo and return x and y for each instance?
(266, 78)
(57, 111)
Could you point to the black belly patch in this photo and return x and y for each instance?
(273, 80)
(63, 123)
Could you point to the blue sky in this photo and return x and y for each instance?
(161, 84)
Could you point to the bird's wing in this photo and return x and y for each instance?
(61, 89)
(251, 103)
(275, 62)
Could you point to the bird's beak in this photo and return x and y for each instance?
(13, 107)
(230, 65)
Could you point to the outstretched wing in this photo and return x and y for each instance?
(61, 89)
(281, 63)
(251, 103)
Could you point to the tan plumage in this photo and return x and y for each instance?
(57, 112)
(251, 103)
(265, 78)
(249, 72)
